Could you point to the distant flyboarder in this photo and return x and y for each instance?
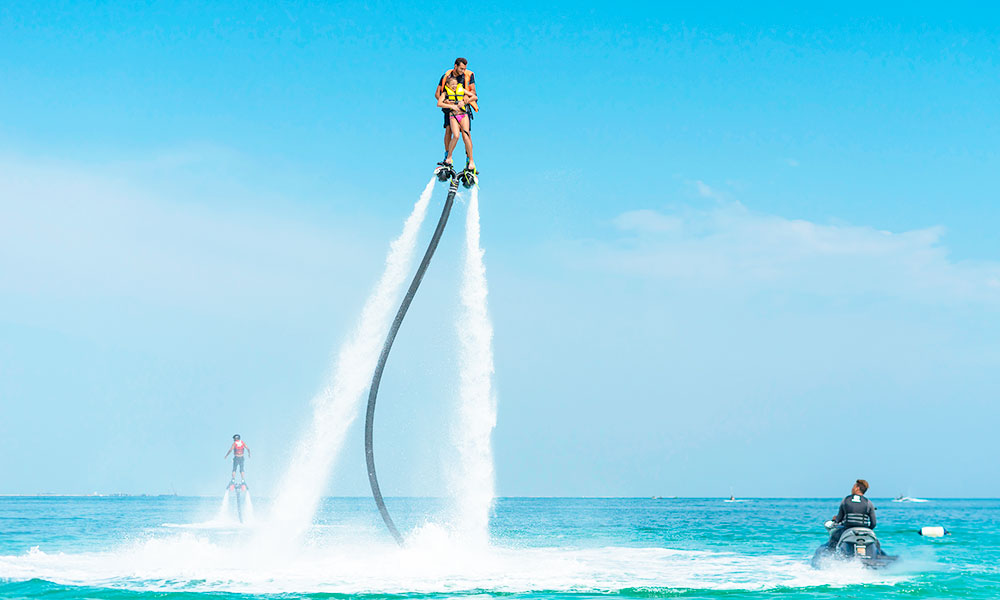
(238, 448)
(457, 99)
(855, 511)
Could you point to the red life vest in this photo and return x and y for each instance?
(238, 448)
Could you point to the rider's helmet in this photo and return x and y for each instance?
(236, 436)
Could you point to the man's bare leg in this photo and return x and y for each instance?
(448, 147)
(467, 138)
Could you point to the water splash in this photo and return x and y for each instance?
(336, 406)
(224, 508)
(431, 566)
(248, 515)
(472, 480)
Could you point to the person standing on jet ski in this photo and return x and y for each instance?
(855, 511)
(238, 447)
(467, 79)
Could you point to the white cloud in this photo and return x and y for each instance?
(718, 193)
(69, 234)
(648, 221)
(731, 247)
(704, 190)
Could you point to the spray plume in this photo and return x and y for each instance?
(336, 406)
(473, 478)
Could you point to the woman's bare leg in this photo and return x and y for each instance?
(467, 138)
(456, 132)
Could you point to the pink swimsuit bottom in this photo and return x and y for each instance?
(458, 117)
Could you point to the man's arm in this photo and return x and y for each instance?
(840, 514)
(247, 446)
(438, 90)
(231, 446)
(471, 90)
(871, 514)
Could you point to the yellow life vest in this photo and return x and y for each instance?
(456, 95)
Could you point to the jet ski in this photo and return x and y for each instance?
(857, 544)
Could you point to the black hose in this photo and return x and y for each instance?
(377, 377)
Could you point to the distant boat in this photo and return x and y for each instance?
(731, 498)
(902, 498)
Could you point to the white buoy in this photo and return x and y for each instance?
(934, 531)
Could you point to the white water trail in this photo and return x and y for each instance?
(248, 510)
(472, 482)
(190, 563)
(224, 507)
(336, 406)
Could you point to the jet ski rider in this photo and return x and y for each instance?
(855, 511)
(238, 447)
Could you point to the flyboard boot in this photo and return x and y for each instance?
(469, 177)
(444, 171)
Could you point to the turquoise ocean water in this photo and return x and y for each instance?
(177, 547)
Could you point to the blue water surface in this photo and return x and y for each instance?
(175, 547)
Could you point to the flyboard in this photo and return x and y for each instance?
(240, 489)
(445, 174)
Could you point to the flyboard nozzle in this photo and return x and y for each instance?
(444, 172)
(468, 178)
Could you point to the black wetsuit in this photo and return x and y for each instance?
(461, 80)
(855, 511)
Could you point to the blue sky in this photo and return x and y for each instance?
(728, 247)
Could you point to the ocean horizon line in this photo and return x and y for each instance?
(596, 497)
